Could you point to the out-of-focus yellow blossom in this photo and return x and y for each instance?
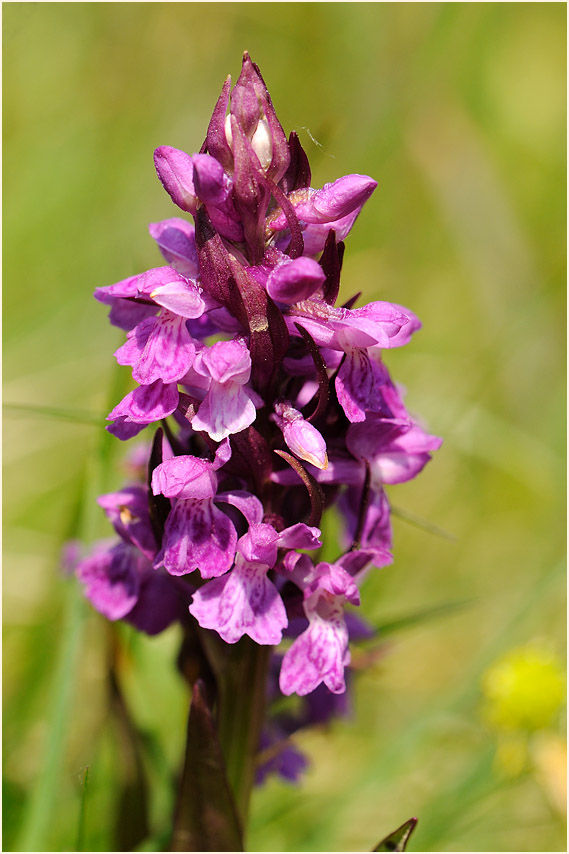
(524, 689)
(524, 692)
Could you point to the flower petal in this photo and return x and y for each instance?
(242, 602)
(198, 536)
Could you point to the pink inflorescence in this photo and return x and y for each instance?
(277, 399)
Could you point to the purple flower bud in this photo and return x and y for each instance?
(216, 139)
(176, 172)
(302, 438)
(210, 181)
(340, 198)
(295, 280)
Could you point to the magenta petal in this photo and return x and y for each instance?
(184, 477)
(317, 655)
(249, 505)
(295, 280)
(177, 243)
(340, 198)
(358, 385)
(148, 403)
(226, 409)
(225, 361)
(394, 321)
(174, 292)
(243, 602)
(125, 429)
(160, 348)
(126, 288)
(259, 544)
(209, 179)
(175, 170)
(128, 512)
(198, 536)
(299, 536)
(336, 580)
(181, 298)
(112, 579)
(396, 452)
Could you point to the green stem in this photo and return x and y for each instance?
(241, 716)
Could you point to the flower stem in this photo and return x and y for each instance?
(241, 716)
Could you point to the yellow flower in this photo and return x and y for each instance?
(524, 689)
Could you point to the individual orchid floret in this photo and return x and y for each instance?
(228, 406)
(361, 333)
(245, 600)
(304, 440)
(321, 652)
(197, 535)
(334, 207)
(329, 204)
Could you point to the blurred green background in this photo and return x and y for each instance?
(458, 110)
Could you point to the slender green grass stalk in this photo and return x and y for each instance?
(80, 839)
(41, 805)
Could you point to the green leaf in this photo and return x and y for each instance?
(75, 415)
(206, 816)
(422, 523)
(397, 841)
(423, 615)
(80, 840)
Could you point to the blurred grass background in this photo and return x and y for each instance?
(458, 110)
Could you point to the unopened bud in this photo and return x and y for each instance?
(176, 172)
(262, 144)
(302, 438)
